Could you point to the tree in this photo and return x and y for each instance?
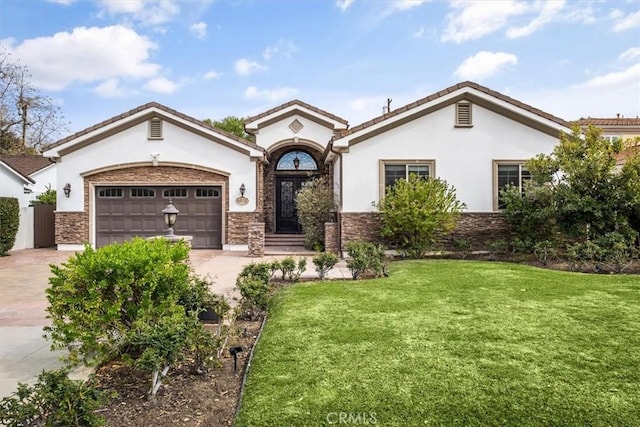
(314, 203)
(417, 212)
(28, 120)
(578, 192)
(233, 125)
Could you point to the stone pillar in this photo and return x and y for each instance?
(256, 239)
(331, 237)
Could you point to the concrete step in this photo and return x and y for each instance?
(290, 240)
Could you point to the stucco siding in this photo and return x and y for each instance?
(279, 131)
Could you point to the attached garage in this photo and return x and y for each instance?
(123, 212)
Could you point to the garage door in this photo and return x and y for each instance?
(125, 212)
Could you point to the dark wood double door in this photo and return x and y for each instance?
(286, 212)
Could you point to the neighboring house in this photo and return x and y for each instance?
(123, 171)
(627, 129)
(24, 177)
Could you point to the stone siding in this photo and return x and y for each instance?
(71, 228)
(238, 227)
(332, 237)
(476, 228)
(256, 239)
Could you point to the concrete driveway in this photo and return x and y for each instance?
(24, 275)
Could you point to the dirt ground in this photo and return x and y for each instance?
(185, 398)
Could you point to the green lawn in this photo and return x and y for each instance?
(451, 343)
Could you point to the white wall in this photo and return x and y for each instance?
(44, 178)
(279, 131)
(463, 156)
(178, 145)
(13, 186)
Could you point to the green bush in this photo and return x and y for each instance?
(54, 400)
(324, 262)
(314, 203)
(365, 258)
(9, 223)
(262, 271)
(462, 248)
(417, 212)
(617, 251)
(545, 250)
(497, 247)
(49, 197)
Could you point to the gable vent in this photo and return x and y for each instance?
(463, 114)
(155, 128)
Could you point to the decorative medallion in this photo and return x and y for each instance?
(296, 126)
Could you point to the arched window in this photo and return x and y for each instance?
(296, 161)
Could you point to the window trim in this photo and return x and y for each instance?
(150, 135)
(109, 188)
(406, 162)
(185, 188)
(495, 188)
(458, 122)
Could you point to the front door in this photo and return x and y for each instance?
(286, 212)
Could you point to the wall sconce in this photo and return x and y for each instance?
(242, 190)
(296, 161)
(67, 190)
(170, 216)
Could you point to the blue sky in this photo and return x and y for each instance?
(213, 58)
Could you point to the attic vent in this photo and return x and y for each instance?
(155, 128)
(463, 114)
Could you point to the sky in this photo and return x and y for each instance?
(215, 58)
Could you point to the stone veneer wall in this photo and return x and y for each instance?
(476, 228)
(73, 227)
(256, 239)
(332, 237)
(238, 227)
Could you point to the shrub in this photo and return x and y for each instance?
(417, 212)
(314, 203)
(255, 294)
(261, 271)
(54, 400)
(49, 197)
(9, 223)
(324, 262)
(365, 258)
(497, 247)
(287, 266)
(617, 251)
(545, 250)
(462, 247)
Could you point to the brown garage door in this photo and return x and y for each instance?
(125, 212)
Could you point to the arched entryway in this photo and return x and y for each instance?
(292, 169)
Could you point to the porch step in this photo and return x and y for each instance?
(288, 240)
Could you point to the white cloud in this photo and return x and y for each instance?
(550, 10)
(212, 75)
(244, 66)
(628, 22)
(629, 54)
(110, 89)
(484, 64)
(271, 95)
(473, 19)
(86, 55)
(344, 4)
(406, 4)
(615, 79)
(147, 12)
(162, 85)
(284, 48)
(62, 2)
(199, 29)
(418, 34)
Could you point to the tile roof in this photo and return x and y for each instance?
(443, 92)
(613, 121)
(146, 107)
(296, 102)
(26, 164)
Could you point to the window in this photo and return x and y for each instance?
(175, 193)
(463, 114)
(110, 193)
(207, 193)
(296, 160)
(142, 193)
(611, 138)
(393, 170)
(155, 128)
(509, 173)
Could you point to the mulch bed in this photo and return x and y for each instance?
(185, 398)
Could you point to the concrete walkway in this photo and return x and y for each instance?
(24, 353)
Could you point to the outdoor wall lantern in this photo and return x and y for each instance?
(296, 161)
(67, 190)
(170, 216)
(242, 190)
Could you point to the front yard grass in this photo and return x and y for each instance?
(451, 343)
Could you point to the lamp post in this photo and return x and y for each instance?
(170, 216)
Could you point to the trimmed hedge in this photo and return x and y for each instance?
(9, 223)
